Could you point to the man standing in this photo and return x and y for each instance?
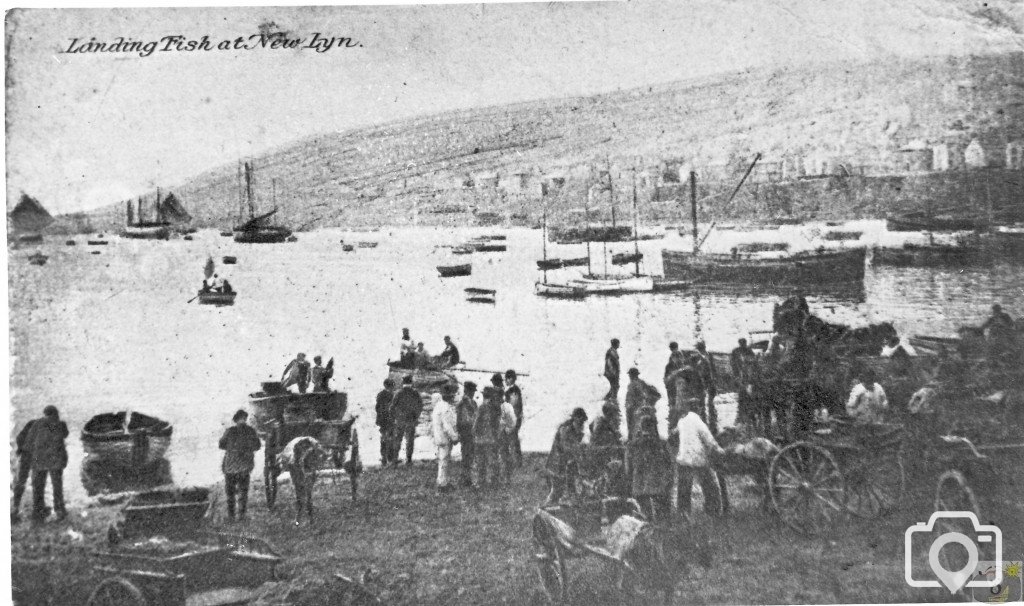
(442, 425)
(319, 376)
(639, 393)
(239, 443)
(561, 464)
(649, 469)
(49, 456)
(675, 363)
(465, 416)
(696, 447)
(405, 409)
(450, 355)
(485, 437)
(386, 425)
(406, 349)
(708, 376)
(1001, 336)
(611, 370)
(743, 363)
(514, 396)
(24, 471)
(297, 373)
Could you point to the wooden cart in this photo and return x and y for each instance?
(281, 416)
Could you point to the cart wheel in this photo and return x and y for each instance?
(954, 493)
(270, 485)
(553, 576)
(874, 486)
(116, 591)
(807, 488)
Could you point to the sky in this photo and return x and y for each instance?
(90, 129)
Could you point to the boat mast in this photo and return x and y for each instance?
(693, 208)
(248, 190)
(586, 219)
(636, 246)
(544, 224)
(611, 202)
(159, 211)
(241, 194)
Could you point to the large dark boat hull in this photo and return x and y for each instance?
(800, 270)
(262, 236)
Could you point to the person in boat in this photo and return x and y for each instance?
(743, 363)
(485, 438)
(465, 414)
(514, 396)
(611, 370)
(999, 328)
(650, 472)
(638, 393)
(239, 444)
(421, 358)
(406, 349)
(675, 363)
(46, 445)
(694, 460)
(386, 424)
(405, 410)
(561, 463)
(24, 470)
(605, 429)
(320, 376)
(296, 373)
(867, 402)
(450, 355)
(709, 376)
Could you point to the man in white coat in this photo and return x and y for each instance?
(443, 427)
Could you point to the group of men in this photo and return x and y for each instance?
(486, 431)
(413, 354)
(302, 375)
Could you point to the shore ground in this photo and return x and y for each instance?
(415, 546)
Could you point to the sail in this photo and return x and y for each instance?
(208, 269)
(257, 222)
(29, 215)
(172, 210)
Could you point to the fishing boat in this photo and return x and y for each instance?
(807, 270)
(258, 229)
(481, 295)
(212, 297)
(37, 258)
(590, 233)
(480, 291)
(451, 271)
(136, 225)
(127, 438)
(424, 378)
(930, 255)
(490, 247)
(549, 264)
(492, 299)
(274, 403)
(96, 242)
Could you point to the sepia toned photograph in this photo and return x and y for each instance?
(633, 302)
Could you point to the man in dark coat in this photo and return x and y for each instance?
(674, 364)
(561, 463)
(24, 470)
(49, 455)
(709, 376)
(297, 373)
(405, 409)
(611, 370)
(743, 362)
(650, 470)
(638, 393)
(485, 438)
(605, 429)
(239, 443)
(450, 355)
(386, 424)
(465, 417)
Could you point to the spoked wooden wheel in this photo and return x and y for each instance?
(270, 484)
(875, 485)
(552, 572)
(807, 488)
(116, 591)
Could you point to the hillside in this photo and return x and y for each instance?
(857, 116)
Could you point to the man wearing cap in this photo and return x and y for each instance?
(386, 424)
(239, 443)
(561, 463)
(708, 375)
(638, 393)
(674, 365)
(49, 455)
(405, 411)
(465, 415)
(611, 370)
(514, 396)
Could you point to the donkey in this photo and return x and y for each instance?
(303, 457)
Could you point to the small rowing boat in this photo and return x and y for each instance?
(348, 247)
(480, 291)
(126, 439)
(451, 271)
(368, 244)
(97, 242)
(490, 247)
(229, 260)
(212, 297)
(464, 249)
(559, 291)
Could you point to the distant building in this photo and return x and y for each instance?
(974, 155)
(1015, 155)
(940, 157)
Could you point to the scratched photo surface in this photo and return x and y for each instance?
(195, 197)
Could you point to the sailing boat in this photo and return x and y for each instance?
(808, 271)
(172, 210)
(617, 284)
(257, 230)
(549, 289)
(137, 227)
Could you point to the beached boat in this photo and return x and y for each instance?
(127, 439)
(275, 404)
(213, 297)
(450, 271)
(422, 378)
(257, 230)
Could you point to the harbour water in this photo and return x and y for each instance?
(94, 333)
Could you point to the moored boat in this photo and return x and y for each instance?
(451, 271)
(96, 242)
(802, 269)
(37, 258)
(559, 291)
(544, 264)
(365, 244)
(464, 249)
(213, 297)
(229, 260)
(614, 285)
(147, 231)
(627, 258)
(348, 247)
(930, 255)
(127, 438)
(920, 221)
(490, 247)
(257, 230)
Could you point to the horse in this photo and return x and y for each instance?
(303, 457)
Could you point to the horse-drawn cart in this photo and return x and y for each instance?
(281, 416)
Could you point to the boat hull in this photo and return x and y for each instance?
(151, 232)
(928, 256)
(217, 298)
(559, 291)
(615, 285)
(263, 236)
(913, 223)
(451, 271)
(802, 270)
(143, 443)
